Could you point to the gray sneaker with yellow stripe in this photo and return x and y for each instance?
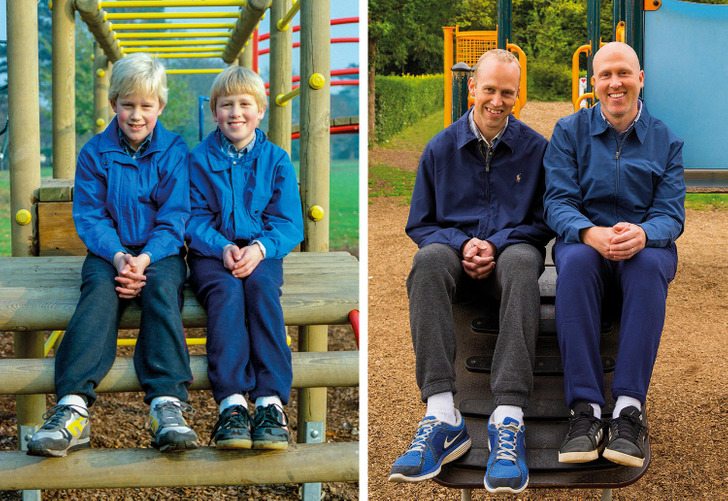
(65, 430)
(169, 429)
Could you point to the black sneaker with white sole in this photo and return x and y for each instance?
(627, 436)
(586, 435)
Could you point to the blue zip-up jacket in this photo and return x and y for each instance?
(596, 178)
(120, 202)
(250, 198)
(459, 194)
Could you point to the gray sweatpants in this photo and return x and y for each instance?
(436, 278)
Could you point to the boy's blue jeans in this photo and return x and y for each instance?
(88, 349)
(246, 334)
(583, 278)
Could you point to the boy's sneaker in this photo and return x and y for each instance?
(65, 430)
(627, 434)
(169, 429)
(507, 470)
(232, 430)
(435, 444)
(270, 428)
(586, 435)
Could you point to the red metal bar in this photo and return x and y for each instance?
(354, 320)
(338, 129)
(343, 20)
(334, 73)
(255, 50)
(333, 40)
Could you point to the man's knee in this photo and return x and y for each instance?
(524, 258)
(433, 263)
(577, 260)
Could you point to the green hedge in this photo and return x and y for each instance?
(548, 81)
(402, 100)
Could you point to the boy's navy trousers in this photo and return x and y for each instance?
(88, 349)
(583, 277)
(246, 334)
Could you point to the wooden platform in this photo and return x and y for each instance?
(547, 415)
(40, 293)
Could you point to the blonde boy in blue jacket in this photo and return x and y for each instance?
(246, 216)
(130, 206)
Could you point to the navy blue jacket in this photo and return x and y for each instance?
(593, 181)
(250, 198)
(459, 194)
(121, 202)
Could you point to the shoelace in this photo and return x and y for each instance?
(507, 434)
(168, 410)
(232, 418)
(423, 432)
(268, 416)
(581, 424)
(57, 417)
(629, 427)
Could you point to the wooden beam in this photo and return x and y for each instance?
(93, 16)
(122, 468)
(250, 16)
(32, 376)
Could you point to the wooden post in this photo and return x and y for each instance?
(24, 149)
(281, 69)
(102, 72)
(64, 89)
(315, 159)
(245, 59)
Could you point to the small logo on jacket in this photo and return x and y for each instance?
(518, 178)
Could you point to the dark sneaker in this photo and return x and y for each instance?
(169, 429)
(507, 470)
(586, 435)
(65, 430)
(270, 428)
(435, 444)
(232, 430)
(627, 435)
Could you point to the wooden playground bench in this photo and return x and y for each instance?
(546, 416)
(40, 293)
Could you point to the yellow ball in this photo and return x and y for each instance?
(23, 217)
(316, 213)
(100, 122)
(100, 73)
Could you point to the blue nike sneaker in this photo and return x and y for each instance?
(435, 444)
(507, 470)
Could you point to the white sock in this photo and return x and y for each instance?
(623, 402)
(74, 400)
(266, 401)
(597, 410)
(234, 399)
(158, 400)
(501, 412)
(442, 407)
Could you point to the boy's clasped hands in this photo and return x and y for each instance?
(131, 275)
(242, 260)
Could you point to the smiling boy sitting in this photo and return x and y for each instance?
(130, 206)
(246, 216)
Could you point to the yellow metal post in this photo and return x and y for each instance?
(281, 68)
(64, 89)
(24, 150)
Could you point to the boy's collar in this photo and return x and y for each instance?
(126, 146)
(230, 149)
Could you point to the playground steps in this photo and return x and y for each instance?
(547, 415)
(120, 468)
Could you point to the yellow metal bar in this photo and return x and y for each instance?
(447, 71)
(192, 341)
(620, 32)
(523, 91)
(282, 24)
(51, 342)
(171, 26)
(132, 50)
(185, 34)
(585, 49)
(116, 16)
(588, 95)
(169, 3)
(189, 54)
(282, 99)
(195, 71)
(170, 43)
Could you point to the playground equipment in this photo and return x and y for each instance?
(466, 47)
(650, 27)
(321, 287)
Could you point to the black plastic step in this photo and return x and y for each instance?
(544, 366)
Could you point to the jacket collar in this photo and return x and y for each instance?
(465, 134)
(221, 159)
(598, 125)
(109, 139)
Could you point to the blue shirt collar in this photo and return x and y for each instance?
(474, 128)
(229, 148)
(126, 146)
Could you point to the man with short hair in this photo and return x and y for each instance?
(477, 217)
(614, 195)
